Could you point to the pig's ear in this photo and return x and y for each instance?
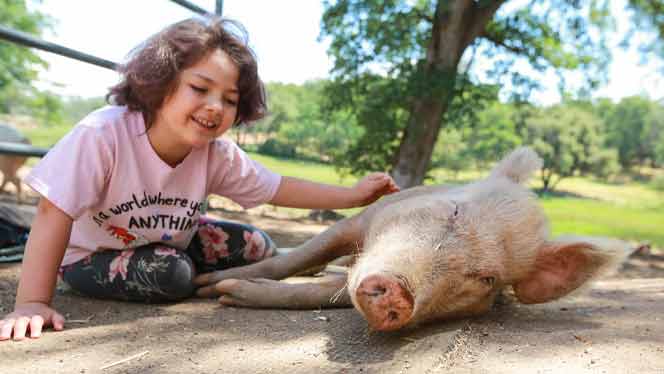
(564, 265)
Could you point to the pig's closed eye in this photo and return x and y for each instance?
(488, 281)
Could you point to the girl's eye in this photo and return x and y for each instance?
(230, 102)
(198, 89)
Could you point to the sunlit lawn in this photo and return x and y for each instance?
(44, 137)
(593, 217)
(631, 211)
(302, 169)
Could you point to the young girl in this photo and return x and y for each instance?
(122, 194)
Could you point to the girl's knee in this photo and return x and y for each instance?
(180, 280)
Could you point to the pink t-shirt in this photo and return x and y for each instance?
(106, 176)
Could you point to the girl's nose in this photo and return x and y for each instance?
(214, 105)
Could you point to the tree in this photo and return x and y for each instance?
(378, 109)
(18, 64)
(296, 126)
(283, 100)
(47, 108)
(423, 51)
(654, 134)
(635, 127)
(494, 134)
(569, 140)
(451, 152)
(75, 108)
(647, 15)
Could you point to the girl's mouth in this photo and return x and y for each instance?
(204, 123)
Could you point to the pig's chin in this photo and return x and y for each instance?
(385, 300)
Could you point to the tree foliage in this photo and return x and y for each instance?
(18, 64)
(576, 137)
(296, 126)
(635, 128)
(647, 16)
(569, 140)
(415, 57)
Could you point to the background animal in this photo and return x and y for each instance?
(10, 164)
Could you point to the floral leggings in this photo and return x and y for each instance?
(156, 273)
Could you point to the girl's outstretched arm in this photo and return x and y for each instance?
(299, 193)
(44, 250)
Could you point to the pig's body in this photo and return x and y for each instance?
(10, 164)
(430, 253)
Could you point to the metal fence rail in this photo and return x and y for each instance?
(28, 40)
(25, 39)
(20, 149)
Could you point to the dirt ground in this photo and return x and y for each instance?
(614, 327)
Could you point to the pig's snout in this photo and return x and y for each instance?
(385, 302)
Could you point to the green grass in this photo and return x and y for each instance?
(594, 217)
(632, 194)
(46, 136)
(316, 172)
(42, 136)
(632, 211)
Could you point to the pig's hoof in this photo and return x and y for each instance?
(385, 302)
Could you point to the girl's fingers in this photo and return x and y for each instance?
(36, 324)
(6, 328)
(20, 327)
(58, 321)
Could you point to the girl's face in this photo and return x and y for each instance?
(202, 107)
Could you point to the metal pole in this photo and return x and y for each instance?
(219, 8)
(30, 41)
(193, 7)
(20, 149)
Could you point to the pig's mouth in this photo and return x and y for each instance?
(385, 300)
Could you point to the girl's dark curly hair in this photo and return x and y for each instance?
(152, 70)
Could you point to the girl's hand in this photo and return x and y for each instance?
(372, 187)
(32, 316)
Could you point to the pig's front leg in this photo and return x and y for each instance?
(325, 292)
(341, 239)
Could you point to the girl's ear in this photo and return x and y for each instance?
(564, 265)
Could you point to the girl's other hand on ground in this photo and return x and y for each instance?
(29, 316)
(372, 187)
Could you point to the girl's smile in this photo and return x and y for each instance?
(210, 125)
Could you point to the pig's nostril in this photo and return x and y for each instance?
(392, 315)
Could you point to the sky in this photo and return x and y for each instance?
(283, 34)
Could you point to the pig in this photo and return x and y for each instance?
(10, 164)
(429, 253)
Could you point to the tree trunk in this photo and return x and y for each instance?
(418, 142)
(456, 24)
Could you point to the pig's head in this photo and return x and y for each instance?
(447, 255)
